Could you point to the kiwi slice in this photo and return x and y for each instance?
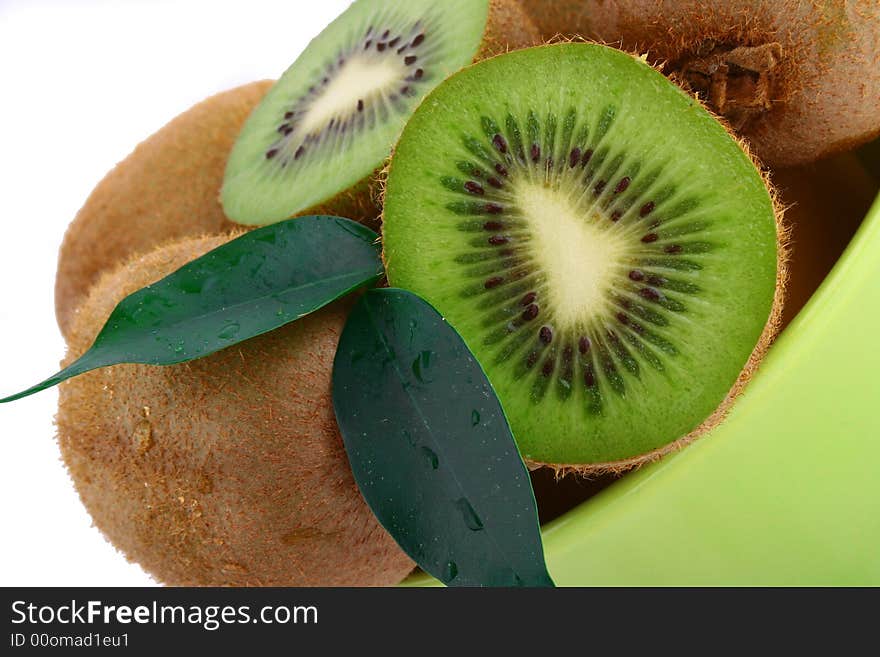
(605, 248)
(334, 115)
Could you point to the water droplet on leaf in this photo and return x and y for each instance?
(229, 331)
(471, 519)
(420, 364)
(431, 456)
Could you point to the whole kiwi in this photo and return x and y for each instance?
(229, 470)
(800, 80)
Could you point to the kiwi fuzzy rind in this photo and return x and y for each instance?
(783, 72)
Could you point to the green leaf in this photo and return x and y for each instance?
(430, 446)
(249, 286)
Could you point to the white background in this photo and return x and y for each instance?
(81, 83)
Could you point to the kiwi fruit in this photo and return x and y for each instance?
(800, 80)
(607, 250)
(329, 124)
(229, 470)
(826, 203)
(166, 189)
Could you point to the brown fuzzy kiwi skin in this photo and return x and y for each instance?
(165, 189)
(509, 27)
(225, 471)
(559, 18)
(826, 202)
(804, 77)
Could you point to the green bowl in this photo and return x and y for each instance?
(786, 491)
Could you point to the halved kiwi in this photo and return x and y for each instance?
(332, 118)
(606, 249)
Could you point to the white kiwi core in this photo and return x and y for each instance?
(358, 80)
(579, 258)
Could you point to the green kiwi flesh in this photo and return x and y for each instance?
(334, 115)
(602, 244)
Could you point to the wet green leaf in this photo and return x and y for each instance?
(430, 446)
(254, 284)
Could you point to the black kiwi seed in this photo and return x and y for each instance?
(474, 188)
(546, 334)
(650, 294)
(601, 356)
(530, 312)
(589, 377)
